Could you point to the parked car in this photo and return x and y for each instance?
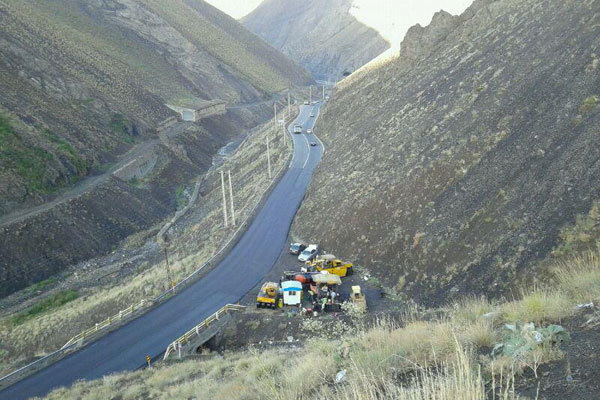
(309, 253)
(297, 248)
(306, 102)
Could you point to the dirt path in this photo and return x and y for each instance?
(91, 182)
(82, 187)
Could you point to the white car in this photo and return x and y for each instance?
(309, 253)
(306, 103)
(309, 131)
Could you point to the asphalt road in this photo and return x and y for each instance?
(241, 270)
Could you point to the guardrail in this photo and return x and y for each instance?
(195, 331)
(48, 359)
(235, 235)
(75, 342)
(117, 318)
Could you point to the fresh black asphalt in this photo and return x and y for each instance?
(254, 255)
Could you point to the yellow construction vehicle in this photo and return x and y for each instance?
(358, 299)
(331, 264)
(268, 295)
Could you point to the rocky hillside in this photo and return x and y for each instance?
(452, 168)
(89, 151)
(81, 81)
(322, 36)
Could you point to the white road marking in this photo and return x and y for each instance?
(308, 155)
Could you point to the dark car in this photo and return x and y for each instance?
(297, 248)
(313, 143)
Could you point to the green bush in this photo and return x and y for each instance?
(48, 304)
(588, 104)
(581, 236)
(120, 125)
(27, 161)
(38, 287)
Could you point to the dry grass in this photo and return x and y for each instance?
(301, 374)
(579, 277)
(539, 306)
(49, 331)
(430, 360)
(457, 379)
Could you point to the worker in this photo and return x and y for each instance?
(333, 294)
(324, 302)
(310, 295)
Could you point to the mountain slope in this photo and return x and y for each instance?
(320, 35)
(80, 80)
(84, 122)
(452, 168)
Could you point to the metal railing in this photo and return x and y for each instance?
(80, 338)
(117, 318)
(195, 331)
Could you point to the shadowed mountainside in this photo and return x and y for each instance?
(452, 168)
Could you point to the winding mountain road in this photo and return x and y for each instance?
(243, 268)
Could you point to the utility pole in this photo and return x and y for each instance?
(268, 157)
(289, 104)
(323, 92)
(231, 198)
(224, 199)
(310, 96)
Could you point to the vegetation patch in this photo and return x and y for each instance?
(181, 197)
(66, 149)
(48, 304)
(123, 127)
(583, 235)
(588, 104)
(40, 286)
(27, 161)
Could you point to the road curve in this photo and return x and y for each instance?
(242, 269)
